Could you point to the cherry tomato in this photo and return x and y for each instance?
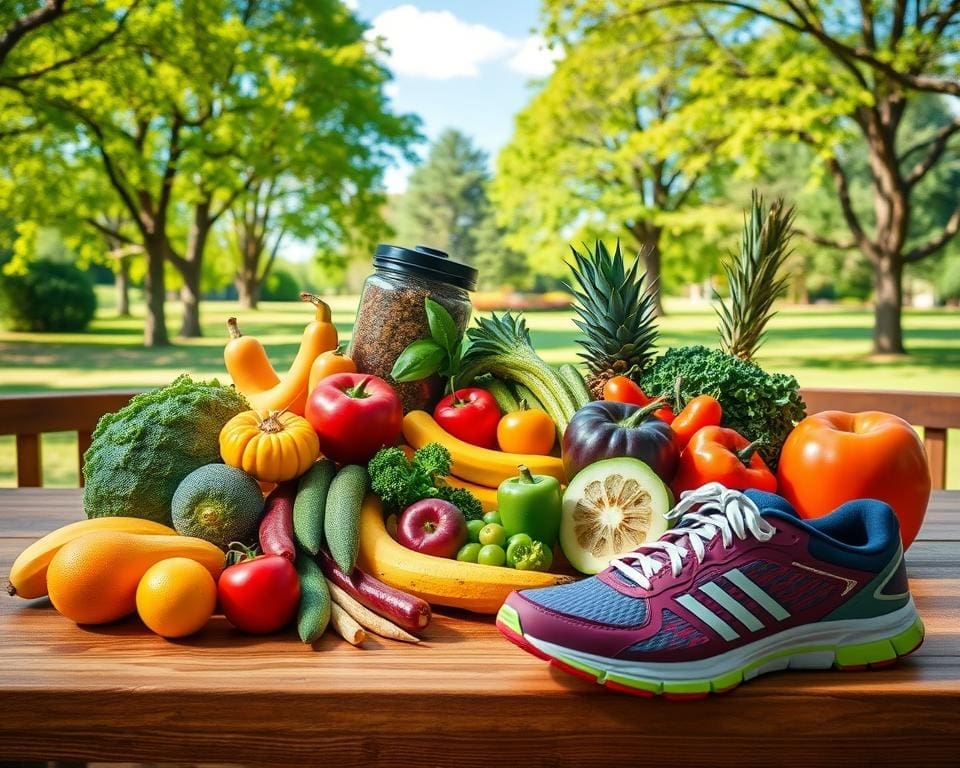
(622, 389)
(471, 415)
(260, 595)
(492, 517)
(468, 552)
(473, 529)
(493, 534)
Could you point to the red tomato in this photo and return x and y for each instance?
(622, 389)
(260, 595)
(354, 415)
(471, 415)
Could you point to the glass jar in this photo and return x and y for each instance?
(392, 313)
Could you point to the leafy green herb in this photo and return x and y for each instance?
(439, 354)
(759, 405)
(400, 481)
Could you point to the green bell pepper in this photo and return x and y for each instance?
(531, 504)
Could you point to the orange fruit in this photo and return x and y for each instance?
(176, 597)
(93, 579)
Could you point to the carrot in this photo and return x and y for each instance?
(345, 625)
(367, 618)
(276, 528)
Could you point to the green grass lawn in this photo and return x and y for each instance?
(821, 346)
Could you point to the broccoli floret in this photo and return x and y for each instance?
(462, 499)
(139, 455)
(400, 481)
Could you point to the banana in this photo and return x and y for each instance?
(478, 465)
(439, 581)
(486, 496)
(28, 574)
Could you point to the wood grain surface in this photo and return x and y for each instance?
(463, 697)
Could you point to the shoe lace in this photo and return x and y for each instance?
(718, 509)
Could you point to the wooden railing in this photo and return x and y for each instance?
(29, 416)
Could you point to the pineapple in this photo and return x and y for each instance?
(617, 315)
(752, 277)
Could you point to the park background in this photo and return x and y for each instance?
(165, 165)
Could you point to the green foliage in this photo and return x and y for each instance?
(758, 405)
(48, 296)
(280, 285)
(139, 455)
(446, 199)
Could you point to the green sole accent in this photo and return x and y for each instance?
(881, 650)
(844, 656)
(508, 616)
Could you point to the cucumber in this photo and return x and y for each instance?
(576, 386)
(341, 521)
(309, 506)
(502, 394)
(523, 393)
(313, 614)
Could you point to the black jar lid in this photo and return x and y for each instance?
(426, 262)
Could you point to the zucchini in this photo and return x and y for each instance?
(524, 393)
(576, 386)
(341, 521)
(309, 505)
(502, 394)
(313, 614)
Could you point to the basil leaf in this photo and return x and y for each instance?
(442, 327)
(420, 359)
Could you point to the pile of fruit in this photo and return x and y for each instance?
(313, 498)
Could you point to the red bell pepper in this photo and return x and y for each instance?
(623, 389)
(471, 415)
(721, 455)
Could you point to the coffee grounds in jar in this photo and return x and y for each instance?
(388, 320)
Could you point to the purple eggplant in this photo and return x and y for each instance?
(608, 430)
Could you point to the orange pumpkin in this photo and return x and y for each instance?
(272, 446)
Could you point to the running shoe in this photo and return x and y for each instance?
(742, 586)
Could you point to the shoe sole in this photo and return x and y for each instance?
(755, 659)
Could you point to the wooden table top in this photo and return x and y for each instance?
(463, 697)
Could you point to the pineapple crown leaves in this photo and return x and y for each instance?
(752, 277)
(497, 335)
(616, 313)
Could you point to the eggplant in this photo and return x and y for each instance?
(609, 430)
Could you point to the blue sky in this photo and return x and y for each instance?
(461, 63)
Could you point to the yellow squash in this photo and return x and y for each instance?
(470, 462)
(272, 446)
(439, 581)
(93, 579)
(291, 393)
(28, 575)
(247, 362)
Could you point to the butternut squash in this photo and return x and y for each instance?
(291, 393)
(93, 579)
(247, 362)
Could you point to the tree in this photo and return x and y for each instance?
(446, 198)
(839, 77)
(605, 145)
(194, 103)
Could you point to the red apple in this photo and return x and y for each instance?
(433, 527)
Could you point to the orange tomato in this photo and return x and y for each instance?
(834, 457)
(526, 431)
(327, 364)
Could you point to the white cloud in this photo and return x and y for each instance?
(396, 178)
(436, 44)
(533, 58)
(352, 4)
(391, 91)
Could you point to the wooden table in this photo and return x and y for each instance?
(464, 697)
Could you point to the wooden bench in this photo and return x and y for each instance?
(29, 416)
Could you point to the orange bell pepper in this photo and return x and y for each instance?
(722, 455)
(833, 457)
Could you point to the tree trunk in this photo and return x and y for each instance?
(248, 289)
(190, 269)
(122, 283)
(648, 238)
(888, 301)
(155, 327)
